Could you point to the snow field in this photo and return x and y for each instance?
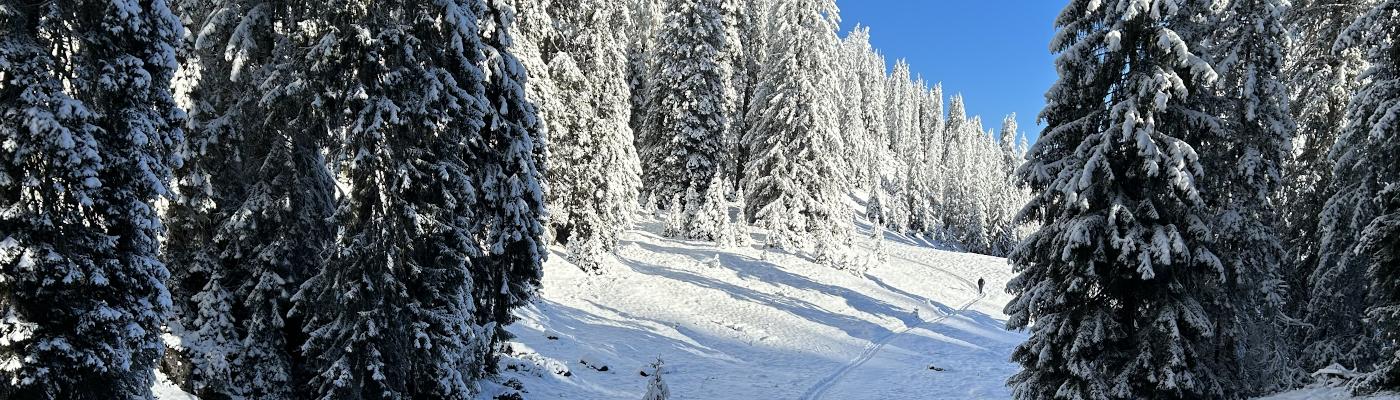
(742, 324)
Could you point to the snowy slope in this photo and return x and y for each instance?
(1326, 393)
(732, 324)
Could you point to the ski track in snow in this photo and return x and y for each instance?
(817, 391)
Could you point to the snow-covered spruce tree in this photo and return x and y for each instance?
(898, 108)
(202, 303)
(1324, 213)
(710, 215)
(734, 58)
(644, 19)
(1006, 199)
(1116, 285)
(1321, 83)
(955, 174)
(392, 314)
(1242, 149)
(916, 161)
(594, 173)
(656, 387)
(682, 141)
(850, 67)
(901, 110)
(248, 222)
(510, 196)
(753, 38)
(933, 172)
(980, 170)
(875, 96)
(789, 187)
(89, 126)
(1381, 241)
(1338, 286)
(1368, 168)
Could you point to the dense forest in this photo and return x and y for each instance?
(346, 199)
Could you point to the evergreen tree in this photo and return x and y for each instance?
(709, 220)
(645, 19)
(1242, 152)
(202, 304)
(1116, 285)
(934, 171)
(1321, 83)
(89, 125)
(753, 37)
(656, 388)
(248, 223)
(1337, 297)
(1007, 199)
(955, 174)
(850, 68)
(682, 142)
(1382, 242)
(872, 105)
(1368, 167)
(508, 186)
(594, 173)
(392, 314)
(734, 58)
(790, 191)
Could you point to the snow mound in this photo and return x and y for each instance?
(166, 390)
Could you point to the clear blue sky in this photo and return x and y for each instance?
(995, 52)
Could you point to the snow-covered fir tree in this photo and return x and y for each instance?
(1008, 195)
(1381, 241)
(249, 221)
(709, 218)
(202, 302)
(1242, 151)
(1116, 286)
(874, 96)
(440, 224)
(656, 387)
(509, 185)
(682, 141)
(933, 172)
(734, 58)
(89, 126)
(1321, 83)
(644, 20)
(957, 209)
(1327, 204)
(1368, 169)
(753, 37)
(850, 68)
(593, 172)
(791, 135)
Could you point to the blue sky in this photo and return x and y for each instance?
(995, 52)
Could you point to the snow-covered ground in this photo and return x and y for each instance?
(1326, 393)
(738, 324)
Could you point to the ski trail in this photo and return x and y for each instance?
(820, 388)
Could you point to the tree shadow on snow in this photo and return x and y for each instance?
(749, 268)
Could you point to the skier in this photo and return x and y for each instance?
(980, 283)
